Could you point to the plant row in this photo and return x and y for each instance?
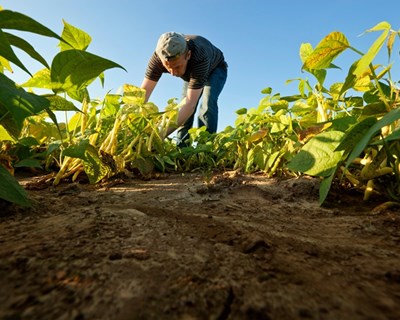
(346, 133)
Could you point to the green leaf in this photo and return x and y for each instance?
(40, 79)
(267, 90)
(350, 80)
(8, 123)
(387, 119)
(144, 165)
(58, 103)
(355, 134)
(19, 103)
(77, 38)
(93, 166)
(77, 150)
(18, 21)
(319, 74)
(11, 190)
(343, 124)
(53, 117)
(326, 51)
(28, 142)
(7, 52)
(241, 111)
(279, 105)
(374, 109)
(95, 169)
(29, 163)
(363, 64)
(25, 46)
(325, 186)
(318, 156)
(300, 106)
(76, 69)
(78, 95)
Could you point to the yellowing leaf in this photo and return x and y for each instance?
(260, 134)
(326, 51)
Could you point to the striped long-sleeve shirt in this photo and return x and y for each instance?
(205, 57)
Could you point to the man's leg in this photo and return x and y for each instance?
(208, 113)
(182, 133)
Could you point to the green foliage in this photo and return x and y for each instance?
(343, 132)
(319, 156)
(10, 190)
(16, 104)
(71, 71)
(362, 152)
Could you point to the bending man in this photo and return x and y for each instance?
(203, 68)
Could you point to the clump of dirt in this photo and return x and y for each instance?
(230, 246)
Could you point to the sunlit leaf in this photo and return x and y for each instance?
(76, 69)
(305, 50)
(260, 134)
(5, 64)
(367, 59)
(326, 51)
(75, 122)
(77, 38)
(279, 105)
(318, 156)
(133, 95)
(40, 79)
(4, 135)
(94, 168)
(383, 25)
(300, 106)
(78, 95)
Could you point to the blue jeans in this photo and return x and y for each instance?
(208, 112)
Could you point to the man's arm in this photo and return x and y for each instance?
(192, 96)
(149, 86)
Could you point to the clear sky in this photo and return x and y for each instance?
(260, 39)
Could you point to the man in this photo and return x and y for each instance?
(203, 68)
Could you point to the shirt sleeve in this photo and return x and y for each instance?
(155, 68)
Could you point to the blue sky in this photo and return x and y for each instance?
(260, 39)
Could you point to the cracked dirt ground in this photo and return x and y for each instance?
(186, 247)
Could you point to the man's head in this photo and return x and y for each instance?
(173, 52)
(171, 45)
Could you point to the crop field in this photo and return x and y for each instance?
(293, 212)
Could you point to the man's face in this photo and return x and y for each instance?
(177, 67)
